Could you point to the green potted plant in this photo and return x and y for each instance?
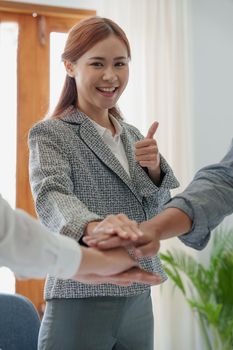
(208, 290)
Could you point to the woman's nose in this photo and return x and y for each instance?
(110, 75)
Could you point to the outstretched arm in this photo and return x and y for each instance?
(31, 251)
(192, 214)
(207, 200)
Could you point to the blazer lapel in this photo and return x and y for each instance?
(93, 140)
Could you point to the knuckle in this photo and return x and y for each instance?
(121, 216)
(109, 217)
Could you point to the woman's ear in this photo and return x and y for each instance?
(69, 66)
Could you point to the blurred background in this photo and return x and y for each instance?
(181, 75)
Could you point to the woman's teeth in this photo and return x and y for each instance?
(112, 89)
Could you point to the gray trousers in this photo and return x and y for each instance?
(101, 323)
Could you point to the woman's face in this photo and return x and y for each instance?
(101, 76)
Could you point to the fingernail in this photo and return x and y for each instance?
(103, 243)
(93, 241)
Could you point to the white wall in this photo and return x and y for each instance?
(212, 54)
(212, 26)
(212, 77)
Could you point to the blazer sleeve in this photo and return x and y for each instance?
(50, 176)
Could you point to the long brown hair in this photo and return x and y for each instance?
(81, 38)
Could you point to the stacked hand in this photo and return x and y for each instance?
(112, 266)
(119, 231)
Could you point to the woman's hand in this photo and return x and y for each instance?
(147, 154)
(112, 266)
(133, 275)
(118, 230)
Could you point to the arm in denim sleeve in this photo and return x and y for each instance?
(207, 200)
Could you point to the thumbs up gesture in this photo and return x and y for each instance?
(147, 153)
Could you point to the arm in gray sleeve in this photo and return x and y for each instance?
(30, 250)
(207, 200)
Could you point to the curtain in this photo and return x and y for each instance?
(160, 89)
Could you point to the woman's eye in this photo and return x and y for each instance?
(97, 64)
(120, 64)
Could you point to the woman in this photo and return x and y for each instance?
(83, 168)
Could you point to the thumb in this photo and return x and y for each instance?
(152, 130)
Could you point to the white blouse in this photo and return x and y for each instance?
(114, 142)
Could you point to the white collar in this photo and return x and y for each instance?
(102, 130)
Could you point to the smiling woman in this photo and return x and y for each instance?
(85, 164)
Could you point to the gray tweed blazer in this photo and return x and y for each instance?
(75, 179)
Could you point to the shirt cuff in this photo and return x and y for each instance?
(199, 234)
(69, 256)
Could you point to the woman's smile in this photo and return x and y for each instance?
(107, 91)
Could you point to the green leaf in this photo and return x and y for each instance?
(208, 290)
